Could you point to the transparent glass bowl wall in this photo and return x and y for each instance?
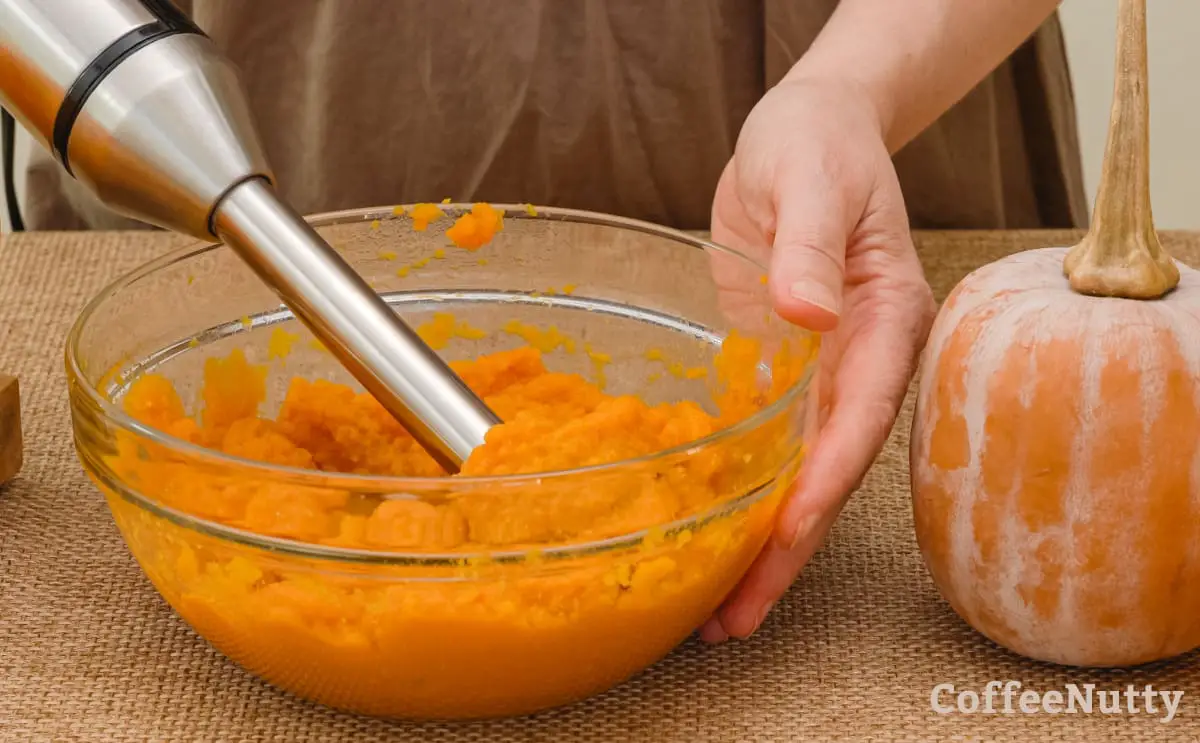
(554, 616)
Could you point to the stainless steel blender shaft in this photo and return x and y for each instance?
(141, 108)
(335, 301)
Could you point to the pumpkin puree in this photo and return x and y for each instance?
(467, 635)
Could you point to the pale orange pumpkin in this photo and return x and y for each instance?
(1056, 441)
(1056, 464)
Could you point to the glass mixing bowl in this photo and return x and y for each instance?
(437, 596)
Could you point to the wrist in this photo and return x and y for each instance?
(847, 90)
(913, 60)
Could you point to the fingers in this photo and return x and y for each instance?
(741, 296)
(767, 580)
(712, 632)
(732, 226)
(806, 281)
(815, 213)
(893, 309)
(868, 389)
(803, 222)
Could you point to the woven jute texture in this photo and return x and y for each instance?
(88, 651)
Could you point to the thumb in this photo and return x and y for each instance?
(809, 257)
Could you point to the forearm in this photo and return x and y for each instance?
(915, 59)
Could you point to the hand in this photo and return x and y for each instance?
(811, 190)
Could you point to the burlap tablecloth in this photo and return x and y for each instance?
(88, 651)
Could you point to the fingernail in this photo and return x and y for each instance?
(762, 615)
(713, 633)
(804, 529)
(818, 295)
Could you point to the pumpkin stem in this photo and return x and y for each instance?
(1121, 255)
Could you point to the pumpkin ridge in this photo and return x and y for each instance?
(1079, 491)
(981, 363)
(1168, 532)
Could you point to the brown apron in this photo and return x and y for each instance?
(618, 106)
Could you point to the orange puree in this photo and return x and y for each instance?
(477, 227)
(466, 634)
(439, 331)
(423, 214)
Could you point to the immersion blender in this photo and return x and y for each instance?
(139, 106)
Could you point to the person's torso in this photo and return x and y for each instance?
(618, 106)
(598, 104)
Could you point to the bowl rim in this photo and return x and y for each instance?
(114, 414)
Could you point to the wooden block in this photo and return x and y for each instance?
(10, 428)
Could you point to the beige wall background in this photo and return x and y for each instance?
(1089, 26)
(1174, 38)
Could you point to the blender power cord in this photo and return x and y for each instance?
(8, 132)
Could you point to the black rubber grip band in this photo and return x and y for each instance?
(8, 134)
(170, 22)
(166, 12)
